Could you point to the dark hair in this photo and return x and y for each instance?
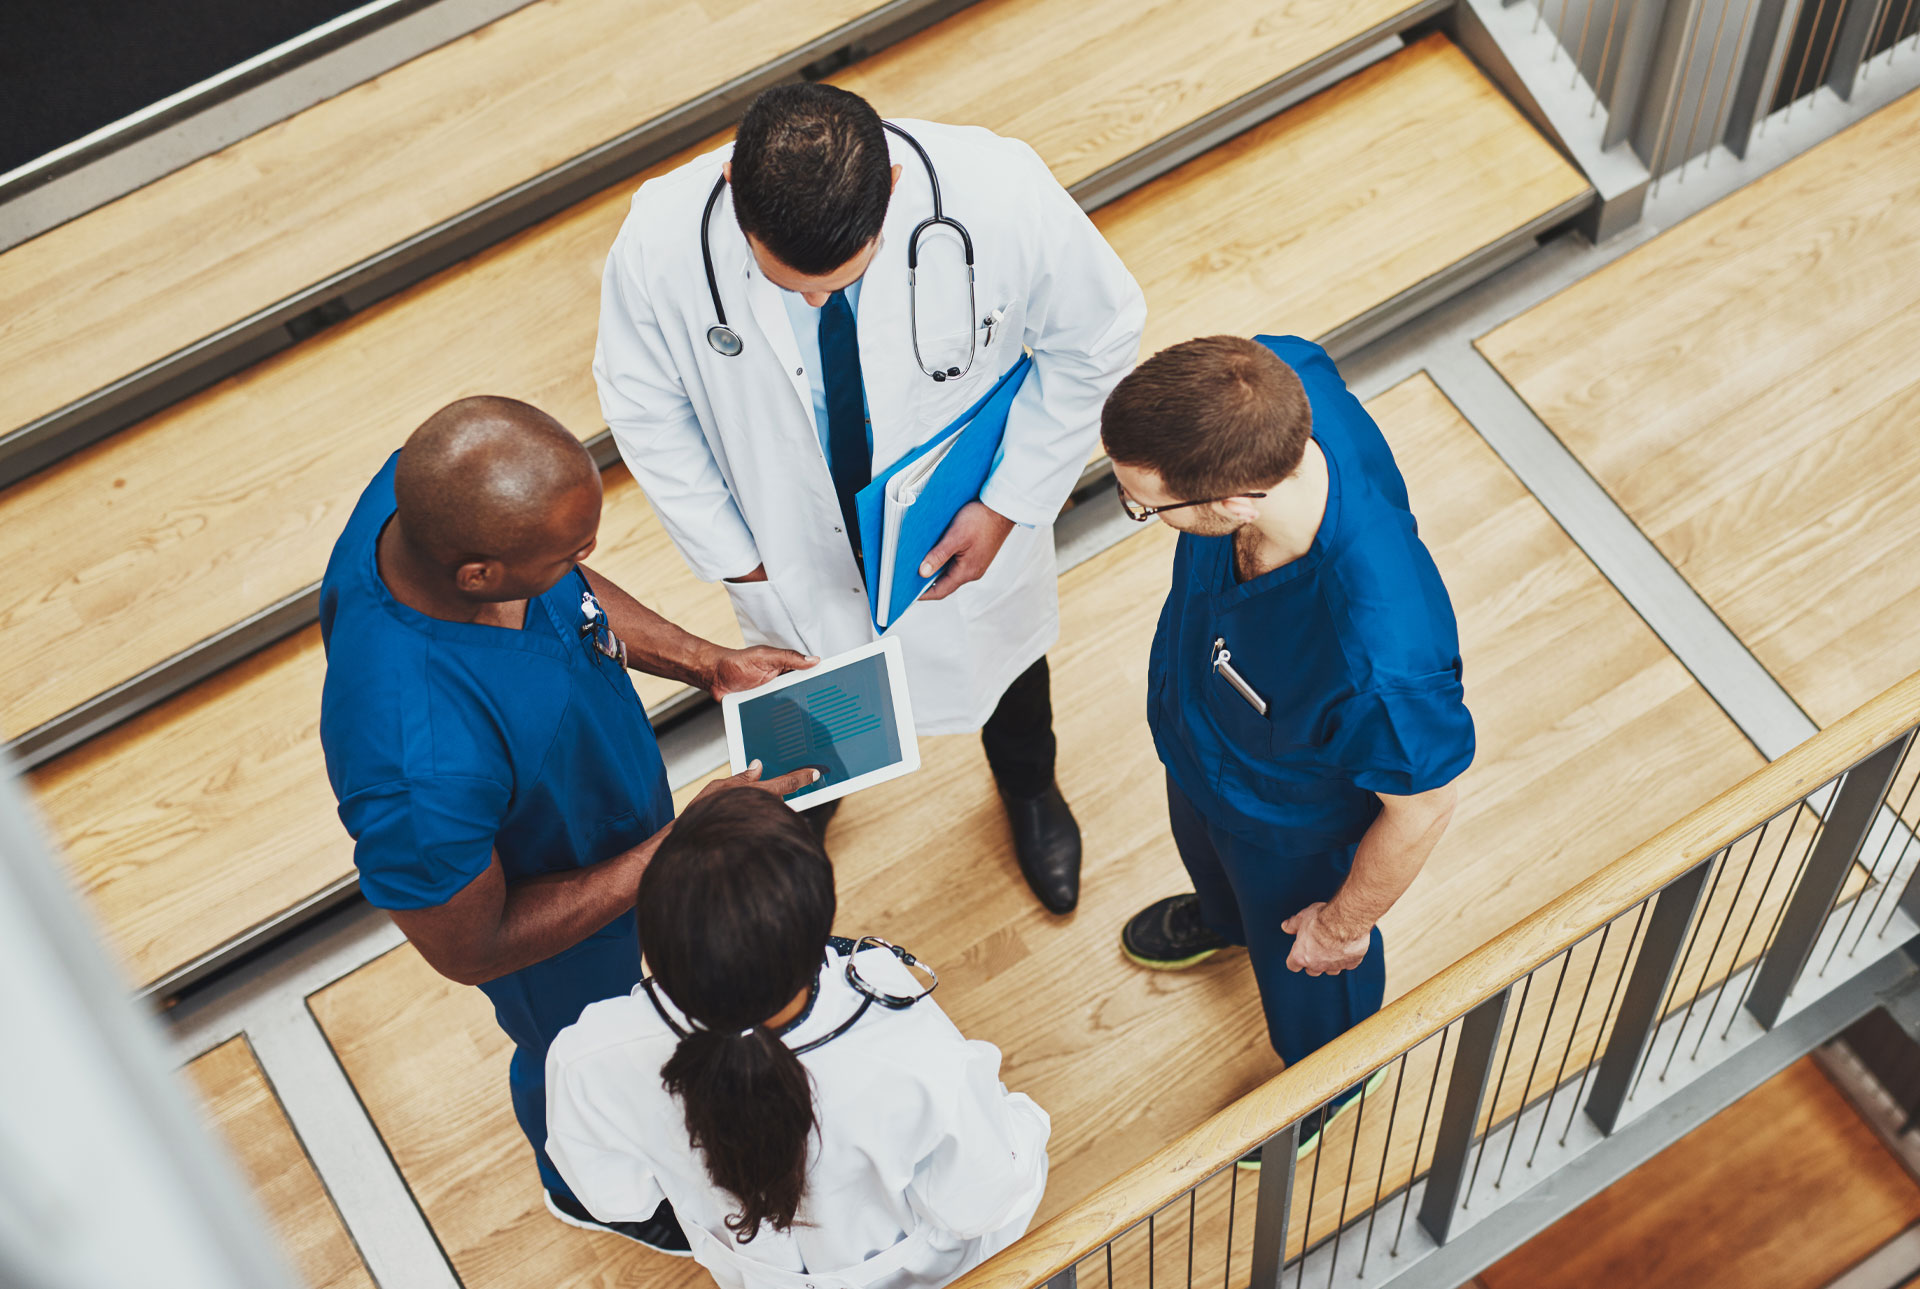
(735, 910)
(1212, 417)
(811, 175)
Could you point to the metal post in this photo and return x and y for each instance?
(1758, 71)
(1466, 1090)
(1068, 1279)
(1625, 84)
(1855, 807)
(1273, 1206)
(1850, 45)
(1646, 992)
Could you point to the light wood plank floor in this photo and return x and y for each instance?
(203, 247)
(1787, 1188)
(1574, 698)
(1746, 387)
(189, 522)
(249, 1117)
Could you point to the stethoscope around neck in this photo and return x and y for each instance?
(726, 341)
(869, 995)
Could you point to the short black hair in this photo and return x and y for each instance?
(811, 175)
(1213, 417)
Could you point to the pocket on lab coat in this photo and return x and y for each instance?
(763, 615)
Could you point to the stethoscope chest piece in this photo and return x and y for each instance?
(725, 340)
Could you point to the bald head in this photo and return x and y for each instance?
(495, 481)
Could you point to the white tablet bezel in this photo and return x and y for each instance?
(896, 662)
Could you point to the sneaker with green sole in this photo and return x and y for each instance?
(1168, 935)
(1312, 1125)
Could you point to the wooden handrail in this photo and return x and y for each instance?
(1442, 998)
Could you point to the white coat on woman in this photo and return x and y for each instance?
(727, 449)
(923, 1165)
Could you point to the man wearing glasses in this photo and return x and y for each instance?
(1304, 686)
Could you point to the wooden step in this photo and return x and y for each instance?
(1573, 697)
(236, 233)
(247, 1114)
(1746, 386)
(230, 501)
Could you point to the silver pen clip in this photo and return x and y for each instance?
(1223, 664)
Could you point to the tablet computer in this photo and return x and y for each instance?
(848, 717)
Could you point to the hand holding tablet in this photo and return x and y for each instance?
(848, 717)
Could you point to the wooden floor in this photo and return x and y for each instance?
(191, 863)
(223, 504)
(1574, 699)
(249, 1118)
(206, 246)
(1746, 386)
(1786, 1188)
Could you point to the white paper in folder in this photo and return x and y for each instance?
(902, 491)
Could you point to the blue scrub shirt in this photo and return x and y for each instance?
(447, 741)
(1353, 646)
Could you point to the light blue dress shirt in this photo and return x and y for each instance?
(806, 333)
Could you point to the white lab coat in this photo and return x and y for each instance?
(727, 449)
(923, 1165)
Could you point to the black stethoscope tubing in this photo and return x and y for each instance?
(726, 341)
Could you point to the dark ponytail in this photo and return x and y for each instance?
(735, 910)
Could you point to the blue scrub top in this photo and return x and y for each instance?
(446, 741)
(1353, 645)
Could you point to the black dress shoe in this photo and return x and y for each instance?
(820, 816)
(1046, 840)
(661, 1232)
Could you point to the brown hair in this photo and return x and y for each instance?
(1213, 417)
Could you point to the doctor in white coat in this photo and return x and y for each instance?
(751, 438)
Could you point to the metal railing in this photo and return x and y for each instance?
(1471, 1089)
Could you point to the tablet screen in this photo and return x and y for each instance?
(841, 722)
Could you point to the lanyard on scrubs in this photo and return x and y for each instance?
(851, 950)
(595, 632)
(1223, 664)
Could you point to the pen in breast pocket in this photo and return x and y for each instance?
(1223, 664)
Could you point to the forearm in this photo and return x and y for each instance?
(654, 645)
(546, 915)
(1390, 856)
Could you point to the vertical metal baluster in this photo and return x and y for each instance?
(1819, 12)
(1068, 1279)
(1873, 869)
(1233, 1197)
(1149, 1251)
(1193, 1220)
(1706, 968)
(1726, 87)
(1539, 15)
(1772, 930)
(1380, 1174)
(1899, 822)
(1546, 1027)
(1493, 1102)
(1713, 59)
(1273, 1207)
(1573, 1035)
(1826, 58)
(1109, 1264)
(1793, 821)
(1740, 948)
(1676, 92)
(1313, 1189)
(1346, 1187)
(1420, 1139)
(1906, 11)
(1560, 30)
(1606, 52)
(1850, 816)
(1586, 23)
(1719, 861)
(1879, 29)
(1674, 909)
(1466, 1093)
(1619, 977)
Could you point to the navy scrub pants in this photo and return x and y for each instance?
(1246, 891)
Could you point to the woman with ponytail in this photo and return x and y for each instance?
(808, 1138)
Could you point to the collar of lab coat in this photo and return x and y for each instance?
(887, 365)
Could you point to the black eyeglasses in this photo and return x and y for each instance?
(1140, 514)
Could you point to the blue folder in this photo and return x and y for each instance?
(956, 481)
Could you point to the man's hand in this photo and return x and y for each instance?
(968, 547)
(1321, 948)
(792, 781)
(733, 670)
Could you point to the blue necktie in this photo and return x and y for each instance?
(849, 455)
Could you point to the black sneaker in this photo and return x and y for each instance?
(1168, 935)
(661, 1232)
